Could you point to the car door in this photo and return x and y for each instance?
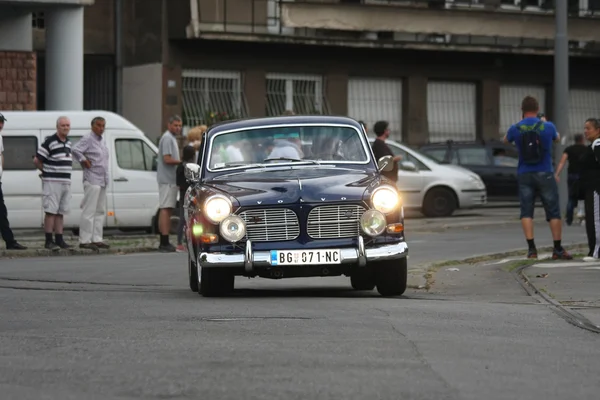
(410, 183)
(134, 186)
(21, 184)
(478, 160)
(505, 163)
(71, 220)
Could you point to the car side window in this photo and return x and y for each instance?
(408, 157)
(505, 157)
(437, 154)
(473, 156)
(134, 154)
(19, 152)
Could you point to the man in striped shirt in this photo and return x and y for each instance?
(54, 159)
(91, 151)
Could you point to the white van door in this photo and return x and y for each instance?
(133, 174)
(21, 183)
(71, 220)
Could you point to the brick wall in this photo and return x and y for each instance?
(18, 80)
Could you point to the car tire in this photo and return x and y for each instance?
(439, 202)
(363, 279)
(193, 274)
(215, 282)
(391, 277)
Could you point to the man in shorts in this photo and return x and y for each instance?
(533, 138)
(168, 160)
(54, 159)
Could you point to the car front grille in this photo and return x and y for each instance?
(331, 222)
(269, 225)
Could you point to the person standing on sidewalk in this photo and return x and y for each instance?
(380, 149)
(54, 159)
(189, 156)
(168, 160)
(5, 231)
(590, 180)
(573, 154)
(92, 153)
(533, 138)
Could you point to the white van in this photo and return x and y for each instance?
(132, 193)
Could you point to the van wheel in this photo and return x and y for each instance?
(216, 282)
(391, 277)
(439, 202)
(193, 274)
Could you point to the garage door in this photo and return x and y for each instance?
(511, 97)
(371, 100)
(451, 110)
(583, 104)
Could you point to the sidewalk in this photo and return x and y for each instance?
(573, 284)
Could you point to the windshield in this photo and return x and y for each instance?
(287, 144)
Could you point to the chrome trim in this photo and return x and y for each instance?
(263, 258)
(330, 222)
(248, 256)
(362, 256)
(277, 224)
(361, 134)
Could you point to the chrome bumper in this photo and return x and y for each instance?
(250, 259)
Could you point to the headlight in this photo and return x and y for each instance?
(233, 228)
(476, 179)
(385, 200)
(373, 222)
(217, 208)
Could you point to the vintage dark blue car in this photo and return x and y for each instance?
(293, 196)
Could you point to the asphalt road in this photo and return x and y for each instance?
(125, 327)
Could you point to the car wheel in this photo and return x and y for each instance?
(391, 277)
(439, 202)
(193, 274)
(216, 282)
(363, 279)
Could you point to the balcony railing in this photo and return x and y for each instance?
(286, 20)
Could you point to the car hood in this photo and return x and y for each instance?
(456, 168)
(295, 185)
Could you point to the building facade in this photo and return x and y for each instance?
(435, 69)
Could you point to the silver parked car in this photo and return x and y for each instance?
(435, 189)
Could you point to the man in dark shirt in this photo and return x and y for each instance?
(380, 149)
(573, 154)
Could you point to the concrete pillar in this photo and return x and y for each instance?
(16, 33)
(415, 128)
(336, 93)
(64, 58)
(255, 90)
(489, 106)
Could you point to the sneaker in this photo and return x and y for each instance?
(532, 253)
(167, 248)
(561, 254)
(180, 248)
(589, 259)
(51, 246)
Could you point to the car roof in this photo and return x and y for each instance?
(21, 120)
(478, 143)
(281, 120)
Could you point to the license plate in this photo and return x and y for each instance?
(305, 257)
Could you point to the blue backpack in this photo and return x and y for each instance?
(532, 151)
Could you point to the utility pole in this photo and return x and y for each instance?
(561, 89)
(119, 56)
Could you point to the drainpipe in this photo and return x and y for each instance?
(195, 14)
(119, 56)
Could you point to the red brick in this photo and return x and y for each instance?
(8, 85)
(22, 74)
(11, 97)
(2, 73)
(18, 107)
(30, 64)
(2, 97)
(23, 97)
(30, 86)
(13, 74)
(32, 74)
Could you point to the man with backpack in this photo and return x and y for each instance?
(533, 138)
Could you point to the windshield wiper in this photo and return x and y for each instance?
(291, 159)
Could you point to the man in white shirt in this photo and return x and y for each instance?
(7, 234)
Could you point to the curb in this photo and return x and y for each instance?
(568, 314)
(11, 254)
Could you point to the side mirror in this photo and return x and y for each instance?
(408, 166)
(192, 172)
(385, 164)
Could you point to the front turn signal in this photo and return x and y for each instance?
(395, 228)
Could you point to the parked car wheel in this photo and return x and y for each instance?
(391, 277)
(363, 279)
(216, 282)
(193, 274)
(439, 202)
